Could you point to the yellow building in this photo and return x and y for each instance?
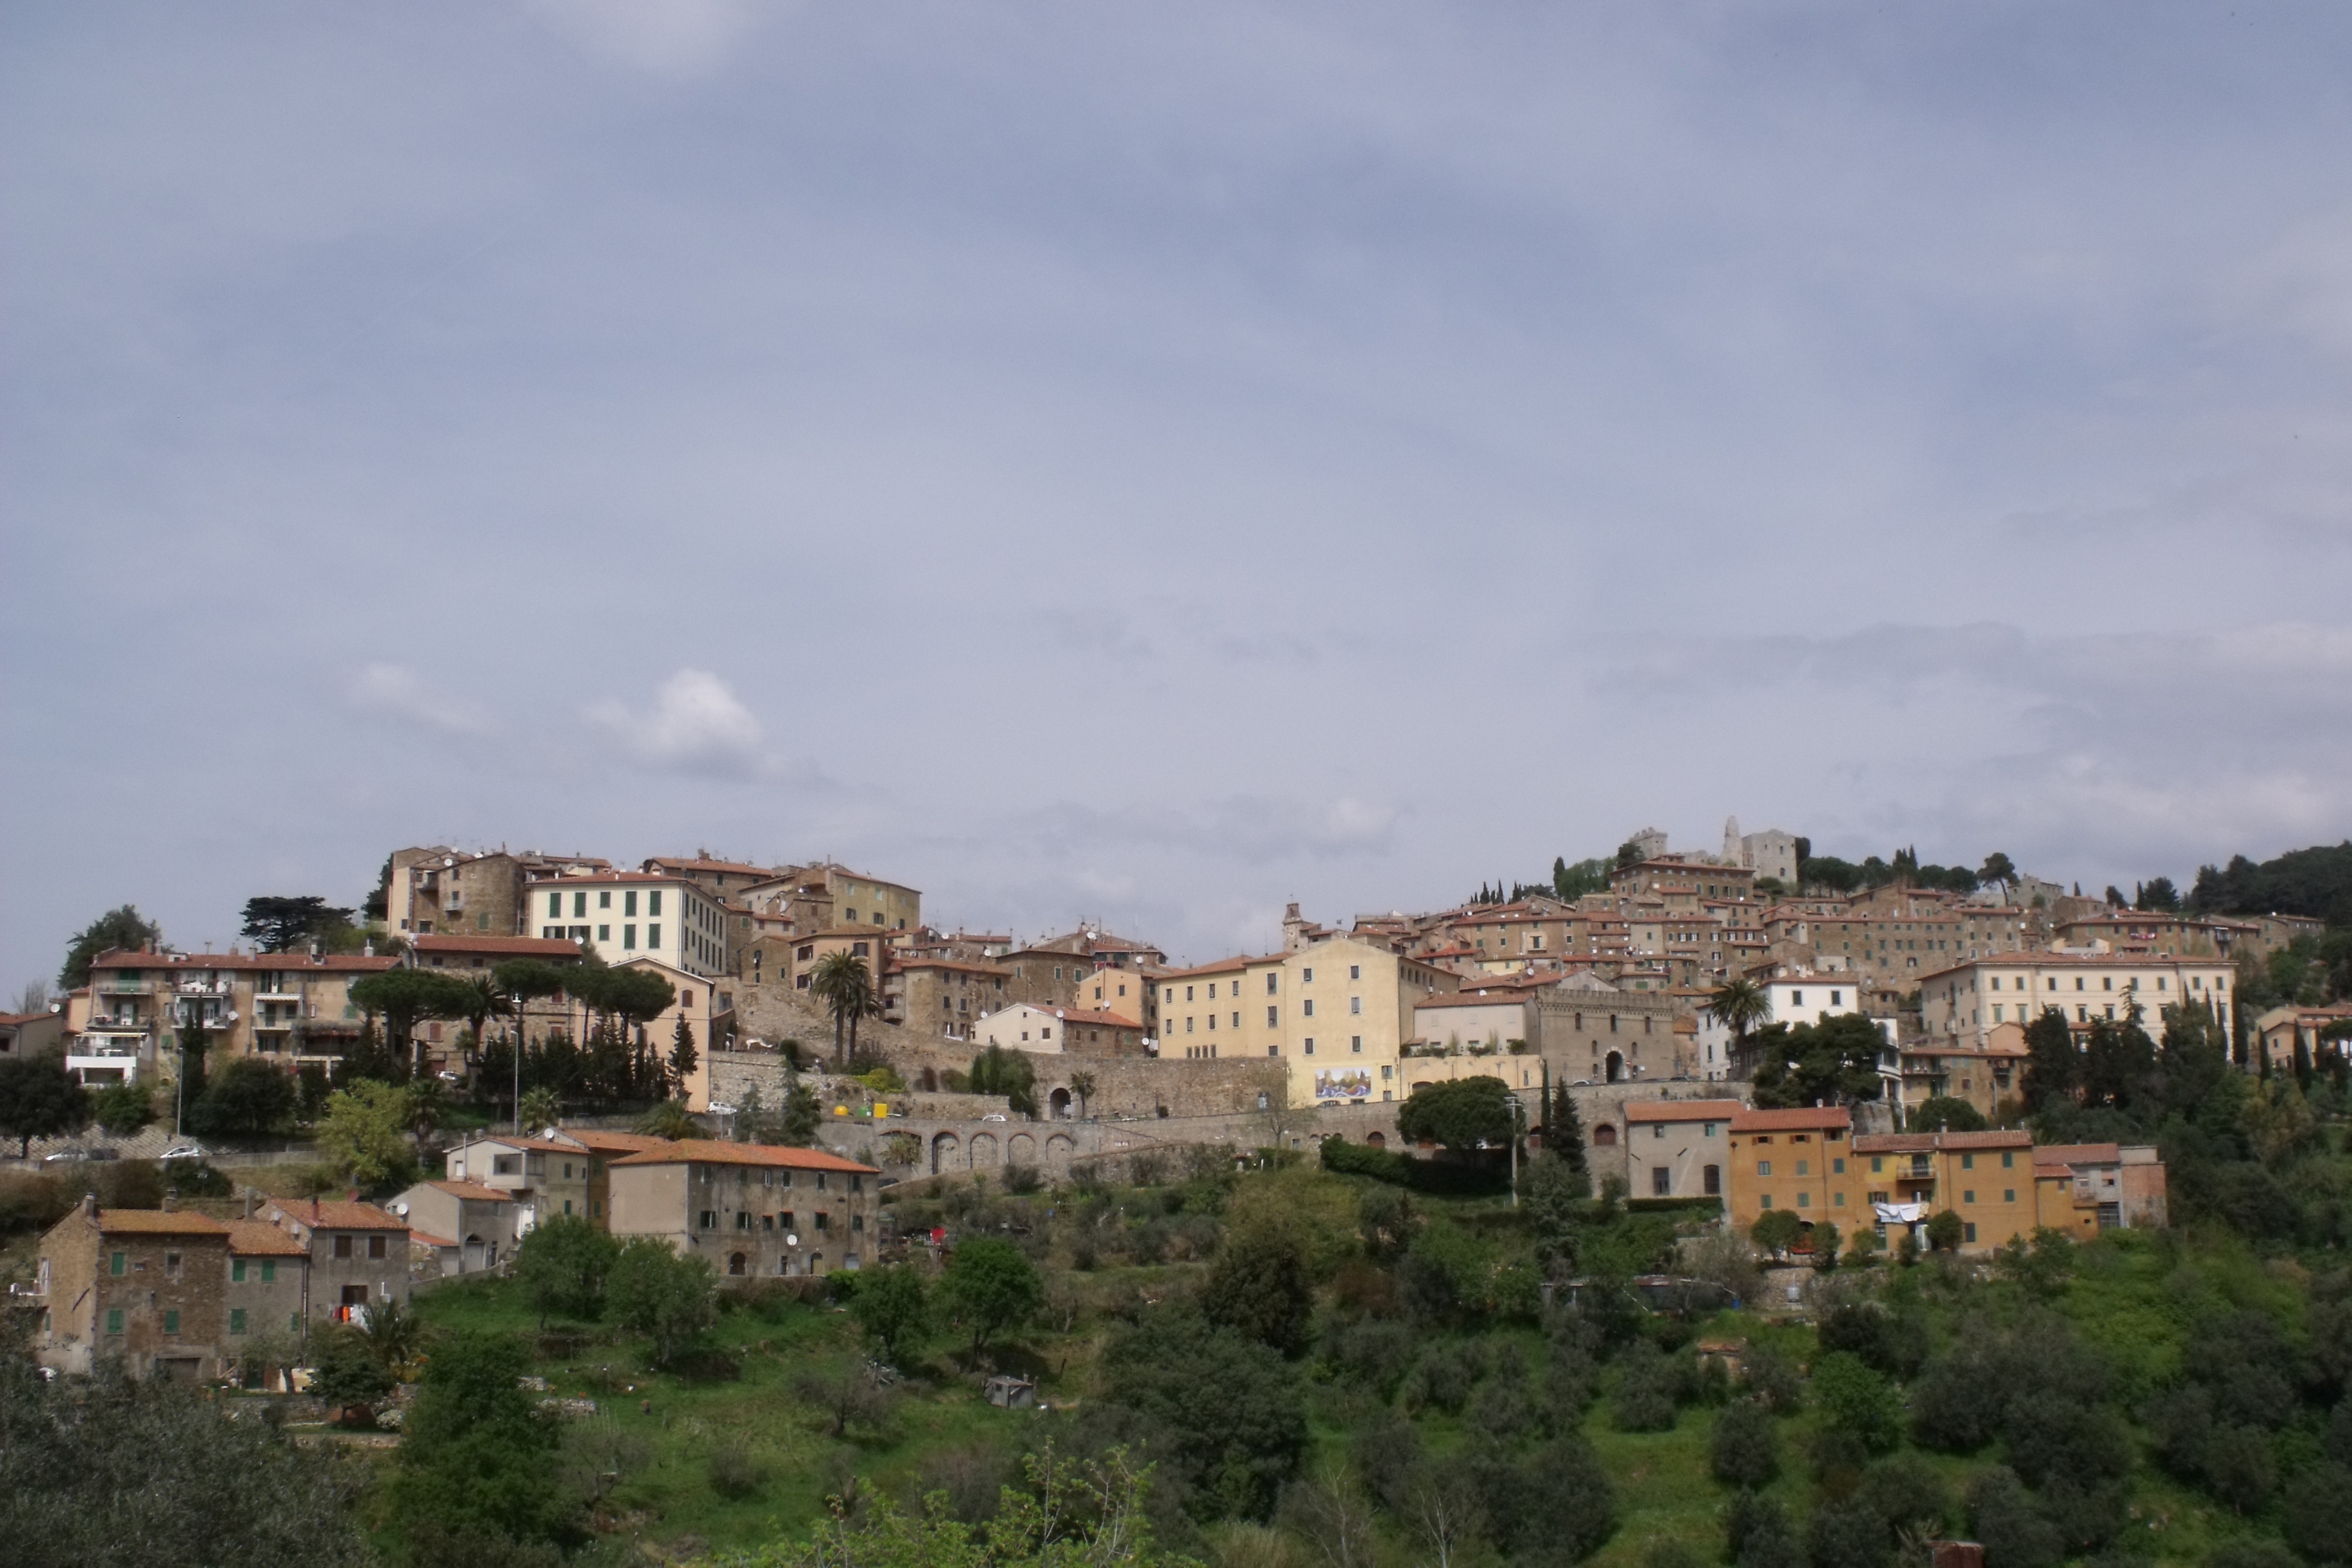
(1337, 1012)
(1987, 1178)
(1802, 1160)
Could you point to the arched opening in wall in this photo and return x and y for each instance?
(1604, 1136)
(928, 1081)
(1057, 1105)
(734, 1263)
(1615, 1066)
(944, 1150)
(1376, 1139)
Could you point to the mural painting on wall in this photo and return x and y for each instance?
(1343, 1083)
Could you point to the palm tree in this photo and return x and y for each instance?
(1739, 1004)
(843, 983)
(541, 1108)
(669, 1119)
(1082, 1084)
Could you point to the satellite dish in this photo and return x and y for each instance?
(792, 1240)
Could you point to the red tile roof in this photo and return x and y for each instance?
(338, 1215)
(157, 1222)
(258, 1238)
(1682, 1109)
(605, 1143)
(473, 1192)
(1222, 966)
(423, 1238)
(1925, 1142)
(1107, 1020)
(516, 946)
(711, 1152)
(1802, 1119)
(332, 963)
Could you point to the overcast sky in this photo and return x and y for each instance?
(1148, 462)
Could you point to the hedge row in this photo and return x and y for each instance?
(1443, 1178)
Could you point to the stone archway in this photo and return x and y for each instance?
(1376, 1139)
(1604, 1136)
(983, 1150)
(1057, 1105)
(1058, 1151)
(735, 1263)
(1614, 1068)
(1021, 1149)
(928, 1081)
(947, 1151)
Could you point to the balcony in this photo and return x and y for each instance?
(202, 988)
(107, 1047)
(101, 1028)
(122, 988)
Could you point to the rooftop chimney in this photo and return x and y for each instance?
(90, 1205)
(171, 1200)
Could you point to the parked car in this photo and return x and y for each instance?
(995, 1116)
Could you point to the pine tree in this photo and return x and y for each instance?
(682, 1058)
(1564, 1135)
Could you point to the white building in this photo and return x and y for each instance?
(1809, 998)
(1969, 1001)
(634, 914)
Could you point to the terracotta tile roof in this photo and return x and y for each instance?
(259, 1238)
(1802, 1119)
(473, 1192)
(1222, 966)
(537, 1145)
(682, 863)
(338, 1216)
(329, 964)
(2078, 1154)
(423, 1239)
(1924, 1143)
(1107, 1020)
(711, 1152)
(157, 1222)
(1682, 1109)
(971, 966)
(605, 1143)
(517, 946)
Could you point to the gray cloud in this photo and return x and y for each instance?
(391, 688)
(1115, 439)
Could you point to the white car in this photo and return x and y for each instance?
(995, 1116)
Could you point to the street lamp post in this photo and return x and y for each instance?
(1517, 1108)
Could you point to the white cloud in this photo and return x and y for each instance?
(695, 725)
(667, 37)
(392, 689)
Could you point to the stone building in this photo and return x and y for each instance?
(942, 996)
(358, 1256)
(457, 1227)
(749, 1209)
(143, 1287)
(1060, 1031)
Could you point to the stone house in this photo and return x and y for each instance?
(457, 1227)
(1676, 1148)
(750, 1209)
(268, 1274)
(143, 1287)
(942, 996)
(358, 1256)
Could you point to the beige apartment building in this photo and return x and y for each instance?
(635, 915)
(1338, 1012)
(1967, 1002)
(1673, 1147)
(290, 1008)
(751, 1210)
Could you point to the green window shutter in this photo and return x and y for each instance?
(117, 1264)
(172, 1324)
(236, 1319)
(269, 1272)
(237, 1271)
(114, 1319)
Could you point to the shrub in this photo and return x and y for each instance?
(1857, 1401)
(2252, 1551)
(1772, 1378)
(2002, 1517)
(2318, 1514)
(1744, 1450)
(1757, 1533)
(1905, 1490)
(734, 1474)
(1848, 1535)
(1644, 1399)
(1443, 1378)
(1023, 1180)
(1442, 1177)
